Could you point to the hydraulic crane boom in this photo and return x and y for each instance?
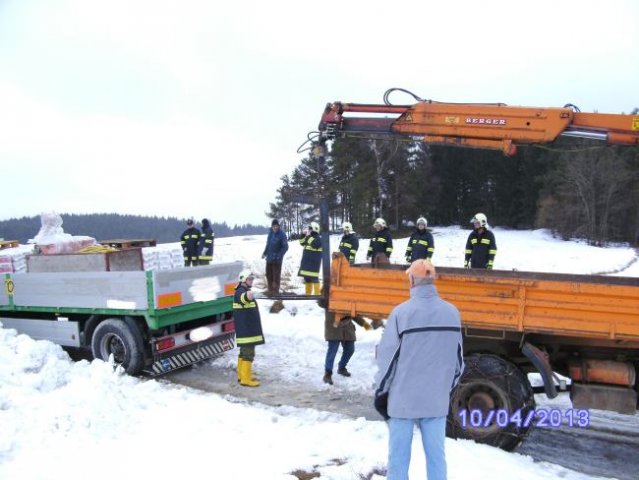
(491, 126)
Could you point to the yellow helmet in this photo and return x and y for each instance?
(315, 227)
(422, 220)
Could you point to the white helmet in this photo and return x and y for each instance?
(244, 275)
(347, 226)
(380, 221)
(315, 227)
(480, 218)
(421, 220)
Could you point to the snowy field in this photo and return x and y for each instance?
(66, 420)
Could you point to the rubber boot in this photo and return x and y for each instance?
(240, 360)
(309, 288)
(246, 376)
(317, 289)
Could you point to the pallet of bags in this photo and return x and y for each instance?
(14, 260)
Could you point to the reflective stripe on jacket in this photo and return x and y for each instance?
(248, 324)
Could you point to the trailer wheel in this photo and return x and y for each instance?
(491, 384)
(121, 339)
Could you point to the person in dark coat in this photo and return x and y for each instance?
(349, 243)
(481, 246)
(276, 247)
(248, 328)
(190, 241)
(336, 333)
(381, 245)
(420, 244)
(311, 259)
(206, 242)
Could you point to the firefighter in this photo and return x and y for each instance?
(248, 328)
(311, 259)
(420, 244)
(190, 241)
(481, 246)
(206, 242)
(349, 243)
(381, 243)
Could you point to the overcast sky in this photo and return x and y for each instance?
(197, 108)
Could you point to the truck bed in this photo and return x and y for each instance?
(583, 306)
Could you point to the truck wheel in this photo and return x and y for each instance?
(121, 339)
(491, 384)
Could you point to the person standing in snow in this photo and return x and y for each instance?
(481, 246)
(190, 241)
(349, 244)
(336, 333)
(420, 361)
(311, 259)
(248, 328)
(206, 242)
(420, 243)
(276, 247)
(381, 245)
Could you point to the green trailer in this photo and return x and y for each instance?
(142, 320)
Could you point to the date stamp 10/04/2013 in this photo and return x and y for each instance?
(543, 417)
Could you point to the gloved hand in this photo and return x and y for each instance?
(407, 259)
(263, 255)
(367, 326)
(466, 264)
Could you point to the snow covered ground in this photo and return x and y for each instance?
(65, 420)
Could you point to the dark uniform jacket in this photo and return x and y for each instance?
(206, 244)
(276, 246)
(382, 242)
(345, 331)
(190, 241)
(348, 246)
(312, 255)
(248, 324)
(420, 245)
(481, 249)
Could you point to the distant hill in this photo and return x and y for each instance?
(109, 226)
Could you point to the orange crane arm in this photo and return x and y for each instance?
(492, 126)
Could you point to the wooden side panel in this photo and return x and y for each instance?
(519, 301)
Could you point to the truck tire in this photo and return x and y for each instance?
(490, 383)
(121, 339)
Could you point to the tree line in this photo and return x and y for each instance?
(576, 188)
(112, 226)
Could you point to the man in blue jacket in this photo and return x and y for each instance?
(420, 361)
(276, 247)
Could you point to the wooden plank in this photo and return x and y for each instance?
(9, 244)
(132, 243)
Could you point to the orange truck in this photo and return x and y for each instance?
(584, 327)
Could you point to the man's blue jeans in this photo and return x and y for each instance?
(433, 430)
(348, 348)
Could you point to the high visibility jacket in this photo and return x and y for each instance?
(348, 246)
(481, 249)
(206, 244)
(311, 256)
(248, 324)
(190, 241)
(420, 245)
(381, 242)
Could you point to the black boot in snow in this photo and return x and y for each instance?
(344, 372)
(328, 378)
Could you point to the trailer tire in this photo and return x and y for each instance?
(491, 383)
(121, 339)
